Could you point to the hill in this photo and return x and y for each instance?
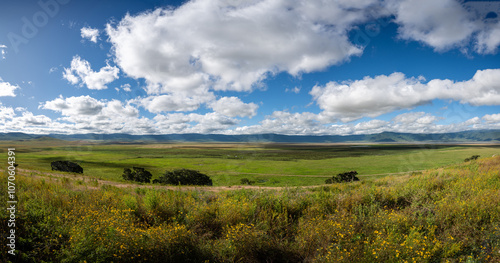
(385, 137)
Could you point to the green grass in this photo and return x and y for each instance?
(267, 164)
(449, 214)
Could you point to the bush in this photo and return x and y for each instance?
(137, 174)
(66, 166)
(246, 181)
(184, 177)
(472, 158)
(343, 177)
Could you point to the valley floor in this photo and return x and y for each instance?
(448, 214)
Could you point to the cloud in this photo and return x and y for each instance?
(28, 119)
(491, 118)
(101, 116)
(235, 45)
(91, 34)
(115, 108)
(448, 24)
(440, 24)
(75, 106)
(371, 97)
(126, 87)
(86, 114)
(372, 126)
(415, 118)
(295, 90)
(88, 107)
(488, 39)
(2, 51)
(7, 89)
(80, 71)
(183, 123)
(283, 122)
(307, 123)
(174, 102)
(6, 113)
(233, 107)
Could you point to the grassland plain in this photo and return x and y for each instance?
(447, 214)
(266, 164)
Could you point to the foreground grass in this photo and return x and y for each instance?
(443, 215)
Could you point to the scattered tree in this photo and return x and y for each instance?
(66, 166)
(184, 177)
(343, 177)
(246, 181)
(137, 174)
(472, 158)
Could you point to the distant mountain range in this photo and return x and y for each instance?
(385, 137)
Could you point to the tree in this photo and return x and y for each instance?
(137, 174)
(343, 177)
(246, 181)
(66, 166)
(472, 158)
(184, 177)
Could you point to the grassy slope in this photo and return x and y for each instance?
(441, 215)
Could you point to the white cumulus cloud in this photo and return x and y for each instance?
(2, 51)
(174, 102)
(81, 72)
(447, 24)
(89, 33)
(233, 106)
(492, 118)
(126, 87)
(204, 123)
(371, 97)
(75, 106)
(235, 45)
(440, 24)
(7, 89)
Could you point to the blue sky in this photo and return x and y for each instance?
(250, 66)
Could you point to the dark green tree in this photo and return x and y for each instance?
(343, 177)
(137, 174)
(184, 177)
(472, 158)
(66, 166)
(246, 181)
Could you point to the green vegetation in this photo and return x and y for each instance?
(472, 158)
(440, 215)
(343, 177)
(137, 174)
(66, 166)
(246, 181)
(226, 164)
(184, 177)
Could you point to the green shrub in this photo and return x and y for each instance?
(184, 177)
(343, 177)
(246, 181)
(472, 158)
(137, 174)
